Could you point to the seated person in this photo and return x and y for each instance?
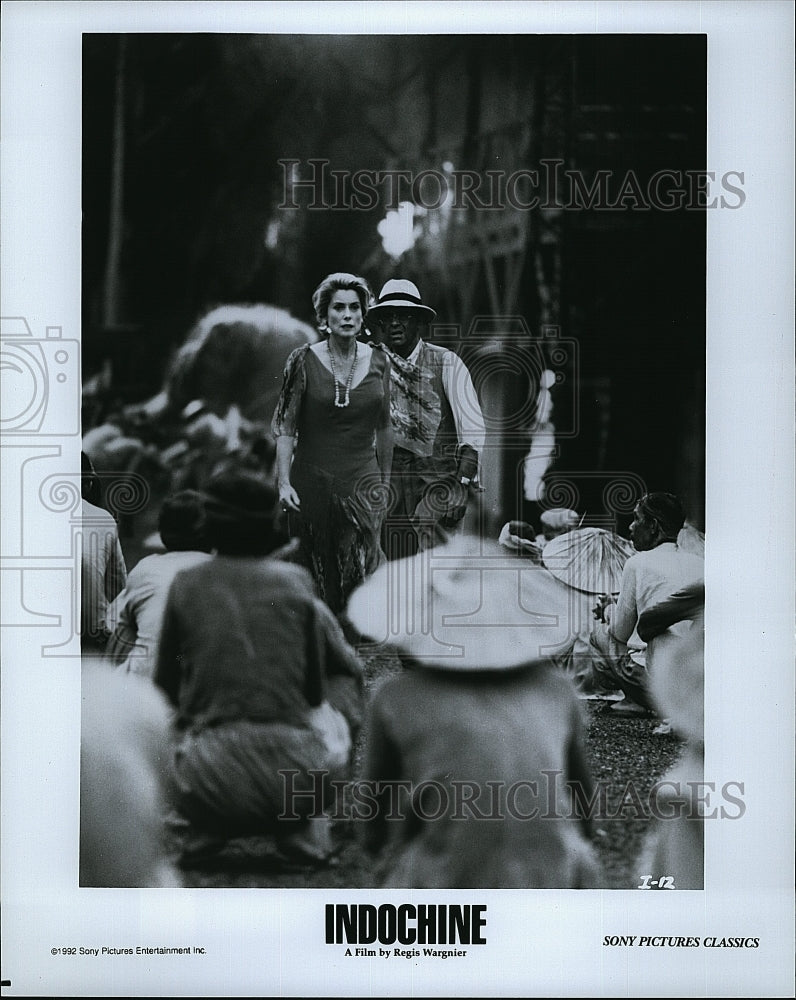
(103, 573)
(557, 521)
(675, 843)
(262, 681)
(125, 736)
(136, 614)
(465, 745)
(620, 658)
(677, 626)
(519, 536)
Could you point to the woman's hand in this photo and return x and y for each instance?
(288, 498)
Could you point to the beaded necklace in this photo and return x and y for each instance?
(338, 385)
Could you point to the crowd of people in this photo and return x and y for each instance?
(241, 640)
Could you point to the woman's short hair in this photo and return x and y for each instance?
(340, 281)
(181, 522)
(666, 509)
(240, 509)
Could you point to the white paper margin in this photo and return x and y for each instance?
(541, 943)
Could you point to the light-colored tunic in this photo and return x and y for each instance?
(136, 615)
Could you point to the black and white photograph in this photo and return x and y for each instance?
(398, 539)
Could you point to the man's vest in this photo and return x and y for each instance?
(431, 439)
(446, 441)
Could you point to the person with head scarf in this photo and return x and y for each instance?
(519, 536)
(556, 522)
(265, 688)
(474, 764)
(660, 567)
(334, 442)
(437, 422)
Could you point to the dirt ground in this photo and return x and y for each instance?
(620, 750)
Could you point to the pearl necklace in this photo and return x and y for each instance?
(338, 385)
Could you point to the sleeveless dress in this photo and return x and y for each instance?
(335, 470)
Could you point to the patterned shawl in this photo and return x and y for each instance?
(415, 409)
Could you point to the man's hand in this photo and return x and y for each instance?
(443, 505)
(598, 611)
(468, 463)
(455, 497)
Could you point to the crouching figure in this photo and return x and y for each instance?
(263, 683)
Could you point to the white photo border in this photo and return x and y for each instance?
(541, 943)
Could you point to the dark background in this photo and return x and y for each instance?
(182, 134)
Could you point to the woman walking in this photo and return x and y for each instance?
(334, 442)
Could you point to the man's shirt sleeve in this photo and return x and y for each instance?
(625, 612)
(463, 399)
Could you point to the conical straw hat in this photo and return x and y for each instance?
(588, 559)
(467, 605)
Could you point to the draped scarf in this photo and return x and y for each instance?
(415, 409)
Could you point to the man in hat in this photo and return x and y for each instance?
(437, 424)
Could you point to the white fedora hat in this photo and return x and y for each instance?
(398, 293)
(467, 605)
